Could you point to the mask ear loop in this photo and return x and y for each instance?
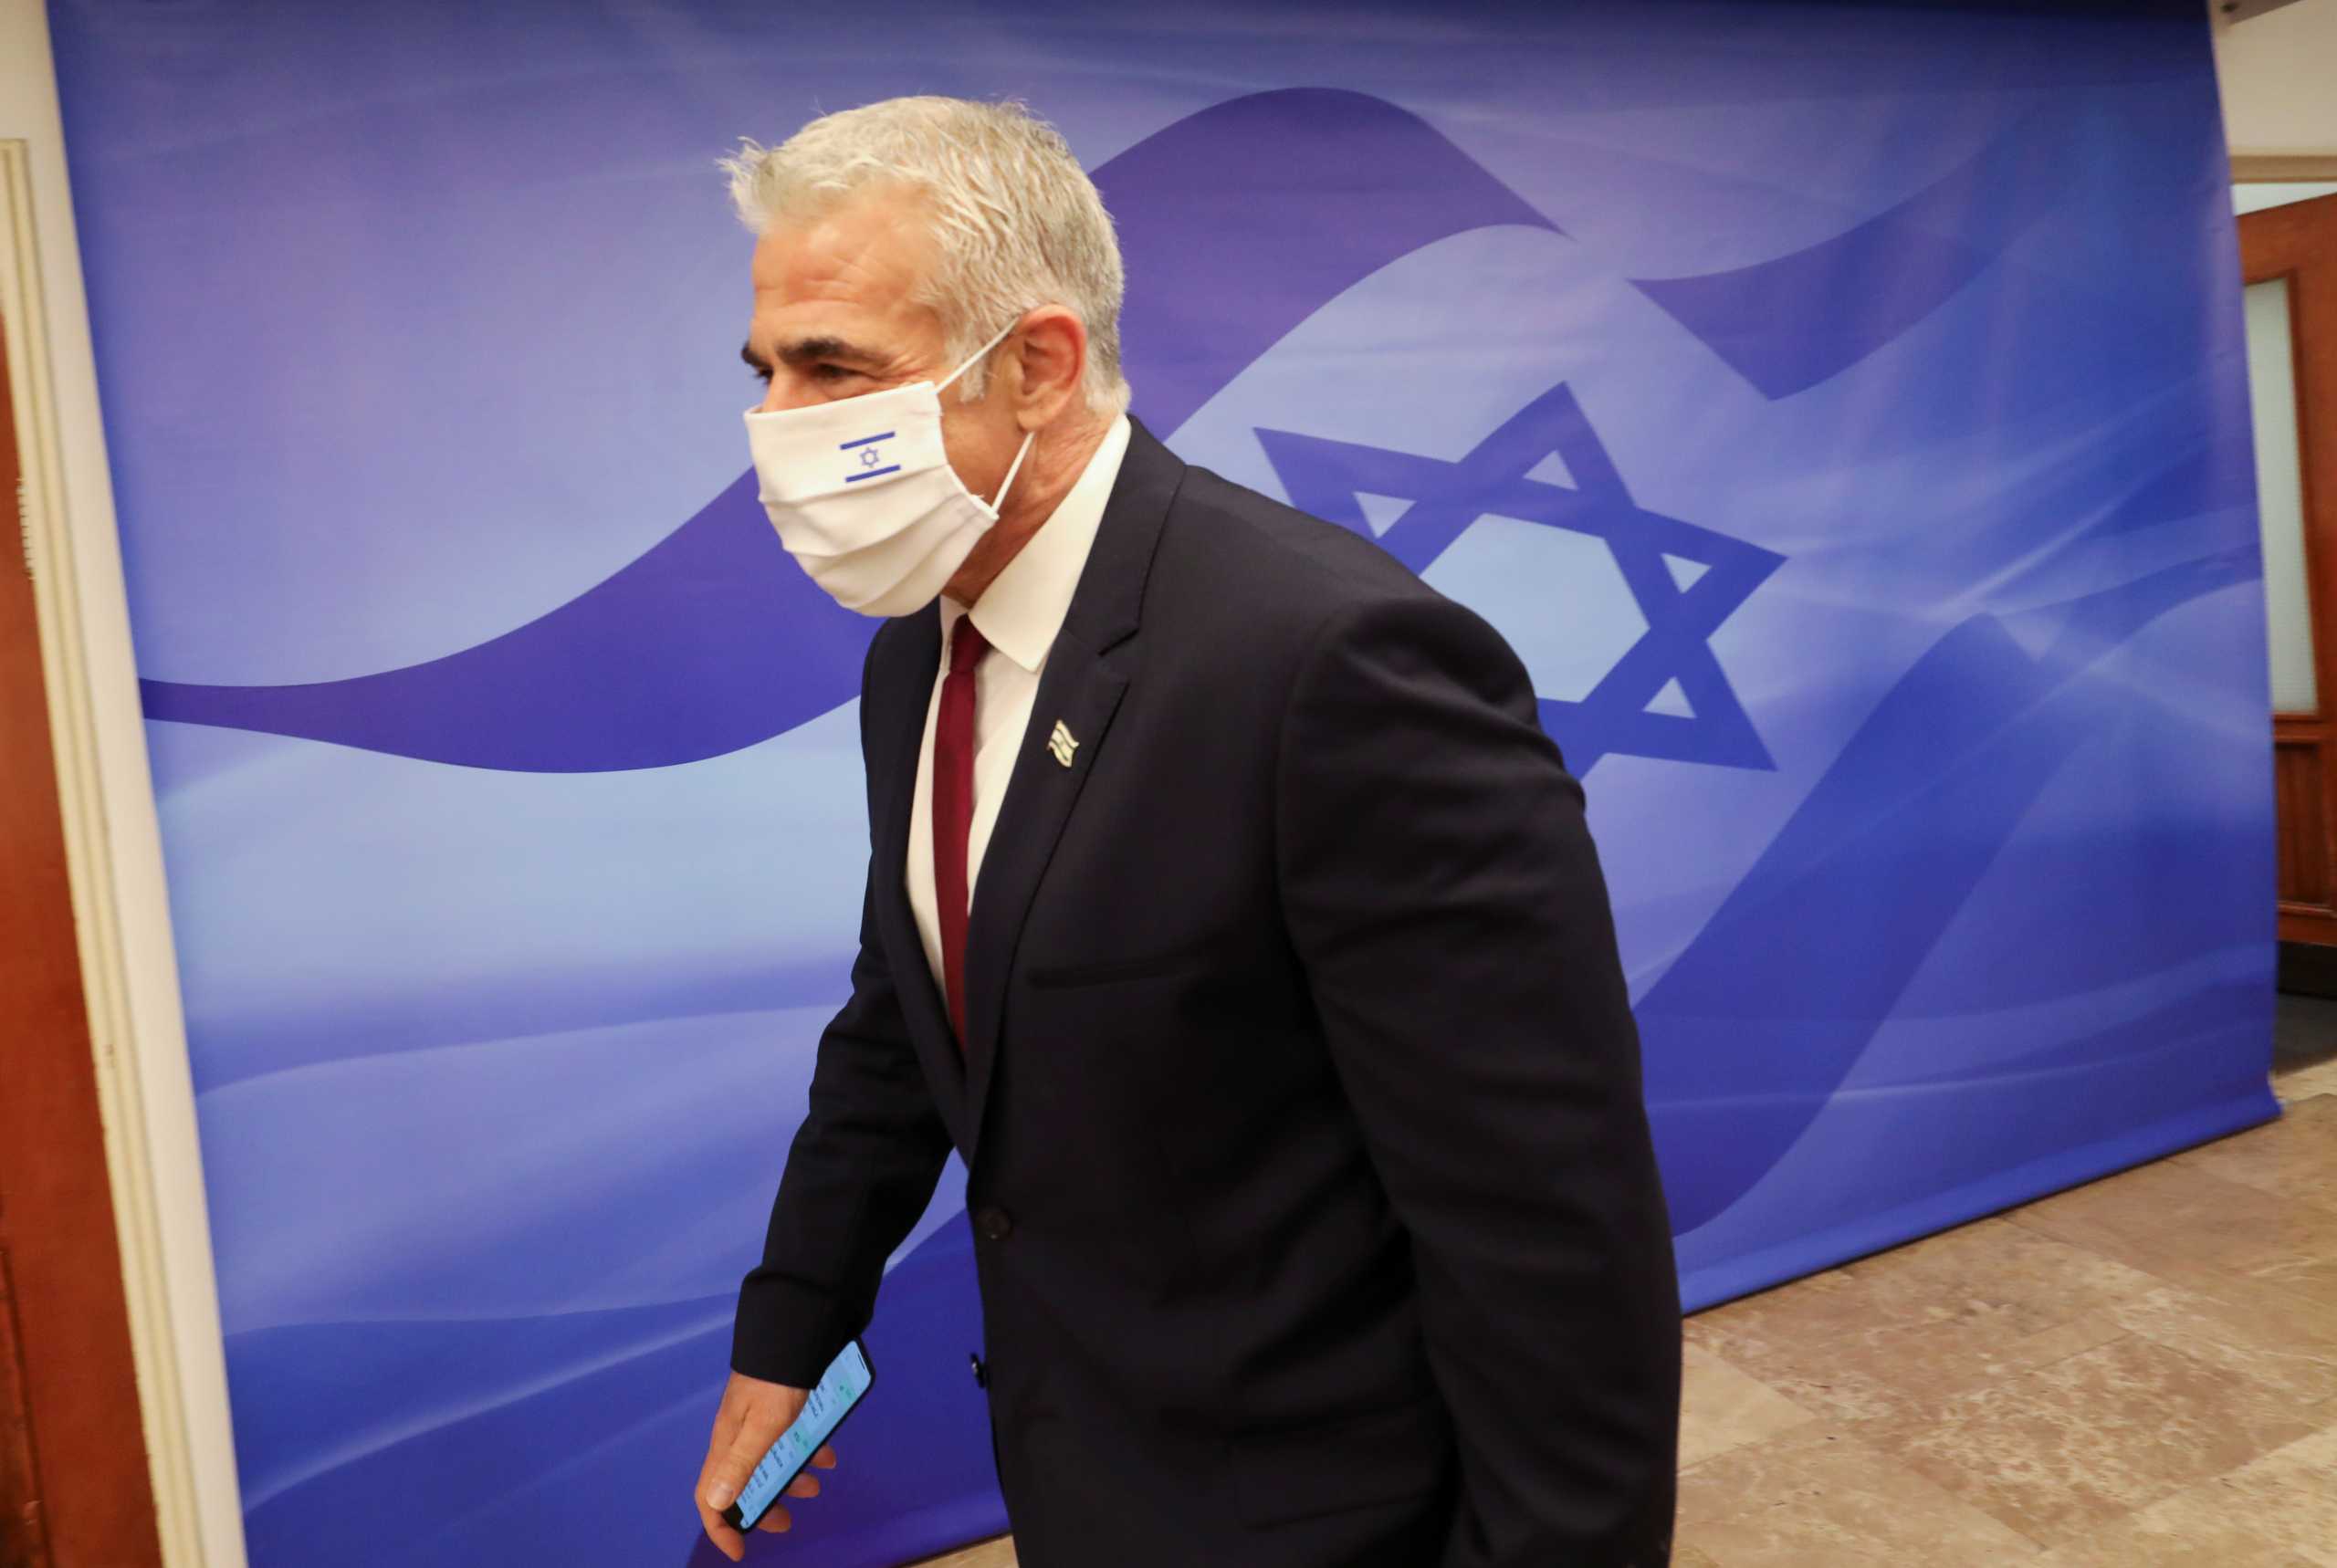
(1028, 436)
(975, 358)
(1013, 468)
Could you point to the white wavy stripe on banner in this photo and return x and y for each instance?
(371, 1438)
(462, 1189)
(333, 902)
(1910, 1044)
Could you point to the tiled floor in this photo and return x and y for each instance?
(2140, 1372)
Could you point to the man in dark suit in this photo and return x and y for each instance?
(1231, 914)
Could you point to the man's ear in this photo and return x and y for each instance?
(1049, 358)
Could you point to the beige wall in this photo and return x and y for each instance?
(2278, 73)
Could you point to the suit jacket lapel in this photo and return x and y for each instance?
(1080, 688)
(897, 700)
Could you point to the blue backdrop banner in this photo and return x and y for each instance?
(1841, 408)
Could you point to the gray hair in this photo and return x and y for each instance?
(1018, 222)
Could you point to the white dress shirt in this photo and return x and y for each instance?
(1020, 613)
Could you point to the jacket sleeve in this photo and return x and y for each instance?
(1442, 891)
(861, 1170)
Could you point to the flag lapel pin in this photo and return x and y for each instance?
(1061, 744)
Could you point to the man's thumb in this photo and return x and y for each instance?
(730, 1475)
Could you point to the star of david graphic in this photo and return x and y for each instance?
(1685, 579)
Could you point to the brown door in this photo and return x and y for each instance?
(74, 1488)
(2293, 251)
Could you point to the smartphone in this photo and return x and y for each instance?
(832, 1399)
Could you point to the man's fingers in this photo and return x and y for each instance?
(825, 1458)
(726, 1540)
(752, 1416)
(726, 1420)
(726, 1476)
(804, 1485)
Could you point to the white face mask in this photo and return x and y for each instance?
(862, 495)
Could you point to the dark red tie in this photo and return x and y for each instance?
(953, 808)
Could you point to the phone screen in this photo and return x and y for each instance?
(838, 1390)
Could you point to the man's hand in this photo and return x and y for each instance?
(753, 1415)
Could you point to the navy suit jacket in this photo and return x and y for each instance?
(1315, 1214)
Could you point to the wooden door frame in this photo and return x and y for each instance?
(2275, 242)
(157, 1242)
(75, 1461)
(2282, 168)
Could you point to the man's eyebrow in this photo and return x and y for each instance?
(809, 350)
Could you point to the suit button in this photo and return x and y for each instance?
(981, 1373)
(993, 1224)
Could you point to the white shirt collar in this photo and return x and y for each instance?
(1023, 608)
